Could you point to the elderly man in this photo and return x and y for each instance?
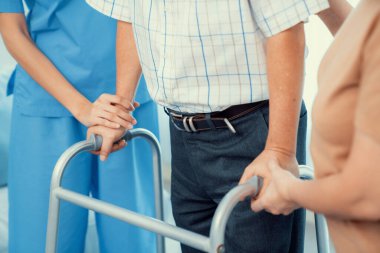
(230, 75)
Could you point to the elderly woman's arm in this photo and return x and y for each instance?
(334, 16)
(354, 193)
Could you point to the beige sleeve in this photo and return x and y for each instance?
(368, 104)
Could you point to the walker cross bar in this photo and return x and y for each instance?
(213, 244)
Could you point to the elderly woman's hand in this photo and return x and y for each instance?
(275, 198)
(261, 164)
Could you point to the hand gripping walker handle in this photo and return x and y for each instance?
(97, 140)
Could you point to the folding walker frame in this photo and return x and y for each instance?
(212, 244)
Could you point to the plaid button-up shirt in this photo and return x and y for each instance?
(206, 55)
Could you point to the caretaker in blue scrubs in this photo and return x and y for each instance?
(66, 55)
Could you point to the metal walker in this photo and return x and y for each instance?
(212, 244)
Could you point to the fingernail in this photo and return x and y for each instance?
(134, 122)
(102, 157)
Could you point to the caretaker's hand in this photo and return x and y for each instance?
(276, 198)
(262, 165)
(111, 140)
(108, 110)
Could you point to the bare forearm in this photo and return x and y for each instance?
(128, 64)
(334, 197)
(335, 15)
(322, 196)
(352, 193)
(36, 64)
(285, 68)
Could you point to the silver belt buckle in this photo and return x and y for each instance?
(188, 124)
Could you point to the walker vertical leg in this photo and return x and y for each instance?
(56, 178)
(53, 220)
(322, 233)
(158, 195)
(157, 177)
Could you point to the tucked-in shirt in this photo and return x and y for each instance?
(348, 100)
(206, 55)
(81, 44)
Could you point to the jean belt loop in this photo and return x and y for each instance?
(166, 110)
(209, 121)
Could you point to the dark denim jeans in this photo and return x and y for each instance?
(206, 165)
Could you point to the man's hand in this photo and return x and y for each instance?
(262, 164)
(111, 140)
(276, 198)
(127, 76)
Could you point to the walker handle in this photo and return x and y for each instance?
(257, 182)
(97, 140)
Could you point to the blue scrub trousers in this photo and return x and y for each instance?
(125, 179)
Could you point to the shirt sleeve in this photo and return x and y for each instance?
(275, 16)
(367, 117)
(117, 9)
(11, 6)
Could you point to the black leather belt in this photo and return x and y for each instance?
(210, 121)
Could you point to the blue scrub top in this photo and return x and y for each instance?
(81, 44)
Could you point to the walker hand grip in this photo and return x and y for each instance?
(257, 182)
(97, 140)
